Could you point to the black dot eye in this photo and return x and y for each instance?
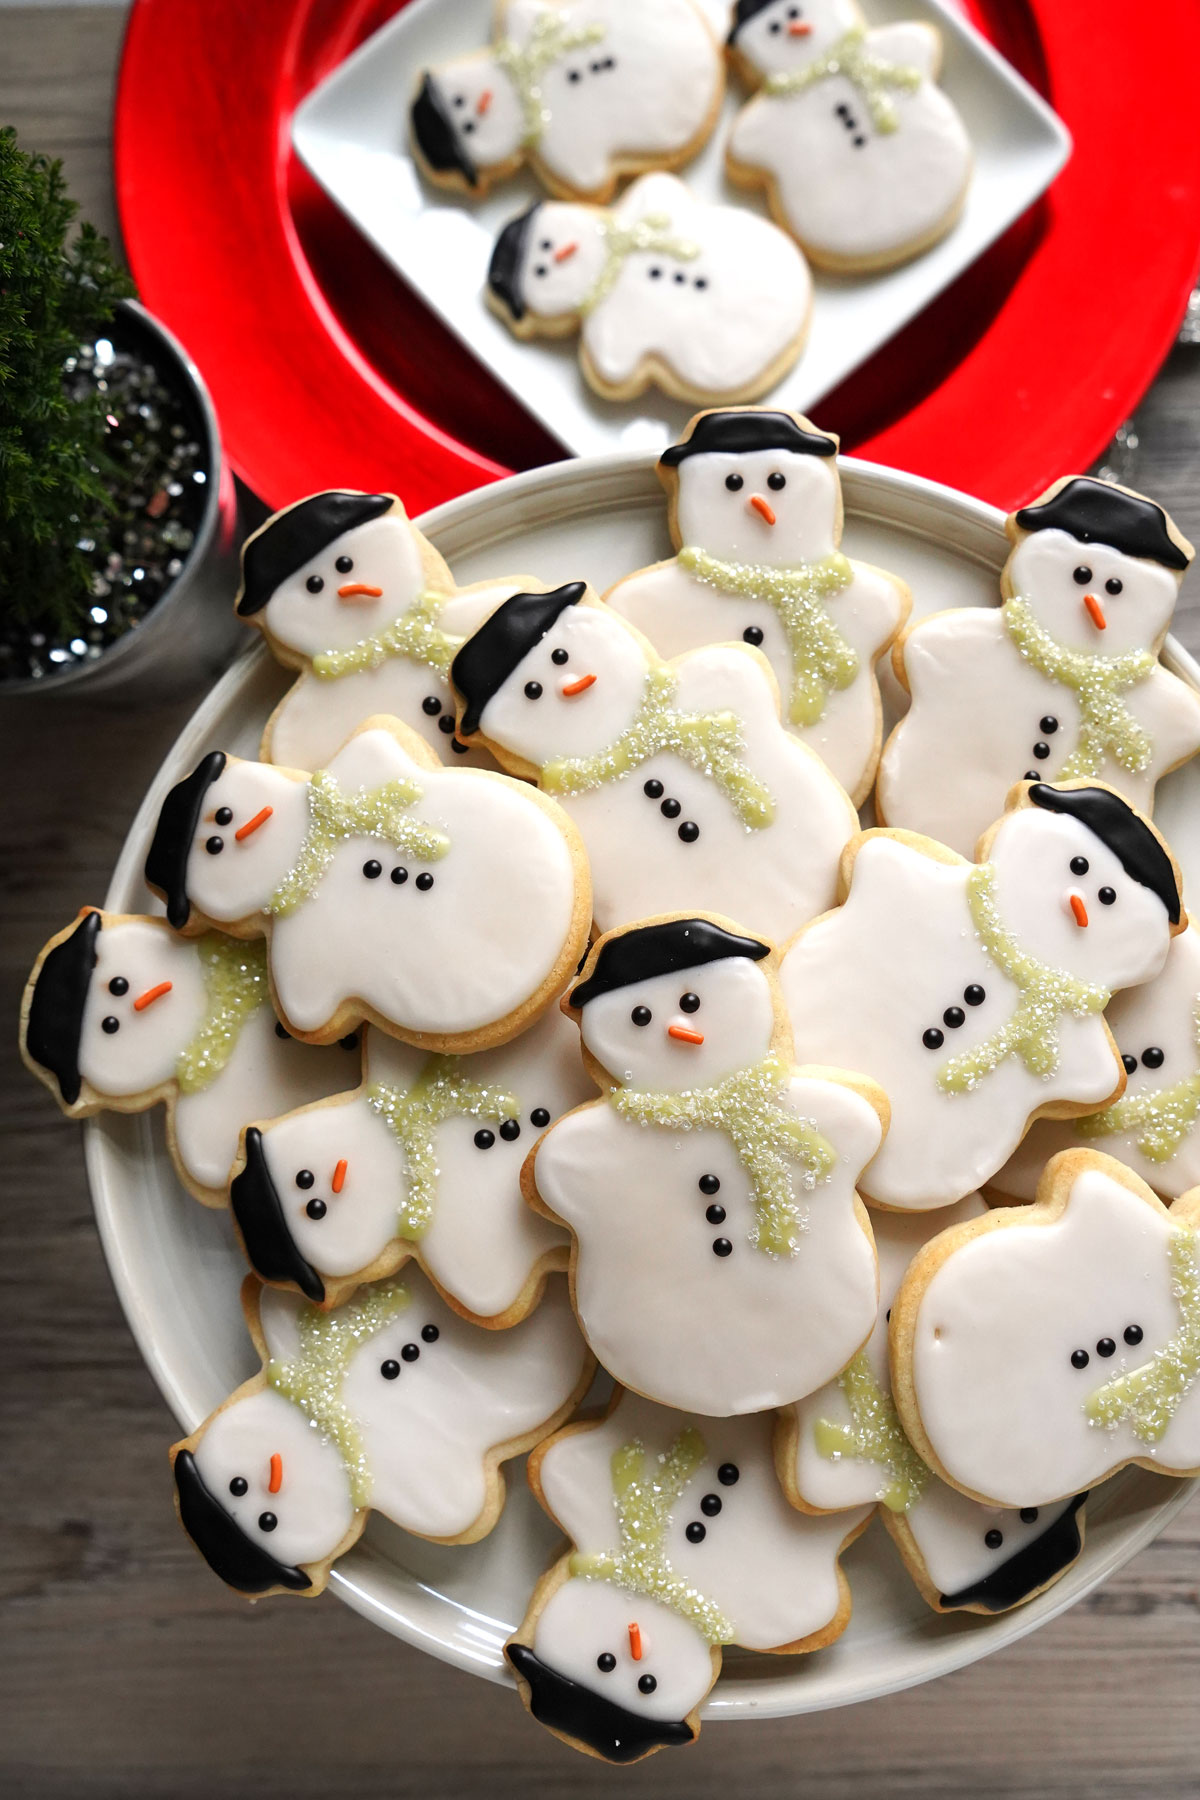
(1048, 725)
(776, 481)
(546, 244)
(1153, 1058)
(1113, 586)
(559, 656)
(1133, 1334)
(1083, 575)
(399, 876)
(410, 1352)
(646, 1684)
(305, 1178)
(728, 1474)
(711, 1505)
(776, 26)
(430, 1334)
(1130, 1064)
(344, 564)
(214, 845)
(372, 869)
(431, 705)
(316, 1209)
(1080, 865)
(390, 1370)
(469, 127)
(510, 1130)
(541, 269)
(533, 690)
(606, 1662)
(993, 1538)
(753, 634)
(1080, 1359)
(224, 815)
(425, 882)
(641, 1015)
(484, 1139)
(460, 99)
(974, 995)
(933, 1039)
(315, 583)
(239, 1486)
(709, 1184)
(653, 790)
(734, 482)
(695, 1533)
(689, 1003)
(118, 986)
(1106, 1347)
(267, 1521)
(953, 1017)
(539, 1117)
(1029, 1515)
(109, 1025)
(1107, 896)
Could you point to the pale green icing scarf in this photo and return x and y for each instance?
(235, 983)
(822, 660)
(870, 74)
(441, 1091)
(414, 634)
(651, 234)
(312, 1379)
(1148, 1398)
(768, 1140)
(709, 742)
(1106, 726)
(874, 1434)
(368, 812)
(643, 1498)
(1158, 1120)
(550, 39)
(1046, 995)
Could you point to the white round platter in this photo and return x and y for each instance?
(176, 1266)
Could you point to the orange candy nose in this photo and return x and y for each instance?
(763, 508)
(276, 1481)
(252, 825)
(151, 995)
(635, 1642)
(581, 686)
(484, 102)
(339, 1176)
(799, 28)
(1095, 612)
(359, 590)
(1078, 908)
(685, 1034)
(566, 252)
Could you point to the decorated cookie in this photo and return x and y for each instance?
(862, 156)
(682, 1543)
(392, 1404)
(119, 1013)
(584, 91)
(448, 906)
(755, 511)
(845, 1445)
(685, 787)
(423, 1160)
(974, 993)
(1063, 680)
(1038, 1350)
(722, 1260)
(348, 592)
(709, 303)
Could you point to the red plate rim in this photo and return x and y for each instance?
(1019, 372)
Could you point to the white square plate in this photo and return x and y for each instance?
(352, 133)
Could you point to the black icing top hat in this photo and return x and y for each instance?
(613, 1732)
(486, 661)
(1033, 1565)
(170, 847)
(1117, 825)
(743, 12)
(259, 1213)
(221, 1541)
(294, 537)
(56, 1006)
(436, 135)
(1095, 512)
(662, 949)
(740, 430)
(505, 266)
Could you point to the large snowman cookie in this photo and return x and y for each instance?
(448, 906)
(863, 157)
(1062, 680)
(686, 788)
(119, 1013)
(423, 1160)
(722, 1259)
(709, 303)
(682, 1543)
(755, 512)
(584, 91)
(974, 993)
(347, 591)
(391, 1404)
(845, 1445)
(1038, 1350)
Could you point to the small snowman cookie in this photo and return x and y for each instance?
(1063, 680)
(682, 1543)
(722, 1260)
(974, 993)
(347, 591)
(686, 788)
(391, 1404)
(862, 155)
(845, 1445)
(1038, 1350)
(423, 1160)
(584, 91)
(119, 1013)
(709, 303)
(755, 511)
(447, 906)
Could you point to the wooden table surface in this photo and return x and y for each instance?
(126, 1668)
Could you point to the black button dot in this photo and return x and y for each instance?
(670, 809)
(993, 1538)
(859, 143)
(1080, 1359)
(1080, 865)
(430, 1333)
(316, 1209)
(974, 995)
(432, 705)
(510, 1130)
(701, 281)
(933, 1039)
(390, 1369)
(753, 634)
(1041, 751)
(344, 564)
(399, 876)
(372, 869)
(1132, 1334)
(1029, 1515)
(1106, 1347)
(953, 1016)
(239, 1486)
(533, 690)
(410, 1352)
(652, 789)
(1107, 896)
(1031, 775)
(539, 1117)
(722, 1247)
(711, 1505)
(214, 845)
(425, 882)
(1049, 725)
(679, 278)
(314, 584)
(305, 1178)
(709, 1184)
(689, 1003)
(646, 1684)
(728, 1474)
(606, 1662)
(109, 1025)
(689, 832)
(695, 1533)
(573, 75)
(641, 1015)
(715, 1214)
(484, 1139)
(734, 483)
(1152, 1058)
(446, 723)
(655, 273)
(1130, 1064)
(267, 1521)
(224, 815)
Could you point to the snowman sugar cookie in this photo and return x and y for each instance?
(682, 1542)
(708, 303)
(1062, 680)
(1153, 1126)
(348, 592)
(391, 1404)
(423, 1160)
(684, 785)
(584, 91)
(974, 993)
(447, 906)
(845, 1445)
(755, 512)
(1040, 1349)
(722, 1259)
(863, 157)
(120, 1014)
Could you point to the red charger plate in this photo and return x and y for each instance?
(327, 370)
